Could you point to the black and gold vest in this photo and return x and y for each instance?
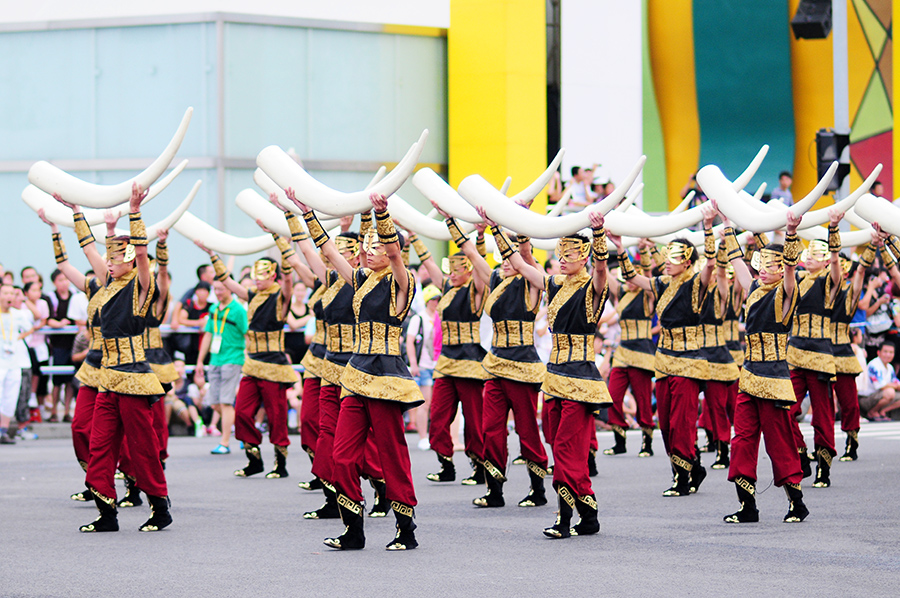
(809, 346)
(266, 358)
(732, 326)
(636, 347)
(513, 355)
(156, 353)
(89, 372)
(766, 373)
(377, 370)
(842, 312)
(461, 351)
(713, 345)
(312, 361)
(678, 307)
(572, 373)
(340, 327)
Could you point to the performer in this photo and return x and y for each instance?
(267, 370)
(809, 347)
(128, 385)
(458, 375)
(573, 388)
(679, 363)
(312, 380)
(765, 385)
(633, 359)
(89, 372)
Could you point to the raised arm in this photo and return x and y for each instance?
(479, 264)
(733, 253)
(834, 246)
(162, 270)
(222, 274)
(62, 258)
(531, 273)
(709, 246)
(599, 254)
(86, 237)
(628, 271)
(300, 237)
(387, 234)
(792, 249)
(322, 240)
(138, 233)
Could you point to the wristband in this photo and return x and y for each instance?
(318, 234)
(82, 230)
(59, 248)
(136, 229)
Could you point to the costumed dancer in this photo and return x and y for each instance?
(633, 360)
(679, 363)
(809, 348)
(766, 392)
(128, 385)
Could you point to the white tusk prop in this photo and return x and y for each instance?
(877, 209)
(759, 193)
(269, 186)
(630, 198)
(287, 173)
(505, 188)
(435, 189)
(170, 220)
(744, 178)
(684, 203)
(532, 190)
(51, 179)
(258, 207)
(196, 229)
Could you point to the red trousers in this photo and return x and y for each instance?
(822, 404)
(641, 383)
(572, 425)
(115, 415)
(446, 395)
(732, 400)
(309, 415)
(753, 416)
(253, 393)
(677, 402)
(716, 407)
(848, 399)
(361, 419)
(81, 423)
(545, 420)
(330, 406)
(161, 428)
(501, 396)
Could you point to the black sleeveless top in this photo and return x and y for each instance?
(461, 350)
(513, 354)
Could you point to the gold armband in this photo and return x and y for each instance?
(480, 245)
(834, 238)
(384, 224)
(503, 244)
(365, 223)
(625, 265)
(219, 267)
(761, 240)
(59, 248)
(598, 247)
(318, 234)
(894, 243)
(419, 246)
(404, 254)
(722, 255)
(162, 253)
(867, 258)
(709, 244)
(523, 239)
(83, 231)
(283, 246)
(646, 259)
(732, 247)
(297, 232)
(286, 265)
(887, 258)
(456, 234)
(792, 249)
(136, 229)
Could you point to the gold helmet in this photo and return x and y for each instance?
(817, 250)
(456, 264)
(768, 260)
(120, 250)
(263, 269)
(572, 249)
(679, 252)
(349, 244)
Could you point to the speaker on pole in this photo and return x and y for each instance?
(813, 19)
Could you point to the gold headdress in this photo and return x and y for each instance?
(371, 244)
(347, 244)
(120, 251)
(456, 264)
(679, 252)
(768, 260)
(572, 249)
(817, 250)
(263, 269)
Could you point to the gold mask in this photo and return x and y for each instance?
(817, 250)
(767, 260)
(347, 244)
(456, 264)
(372, 244)
(570, 250)
(120, 252)
(678, 253)
(263, 269)
(846, 264)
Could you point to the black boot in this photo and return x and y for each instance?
(646, 443)
(682, 482)
(160, 516)
(562, 529)
(405, 539)
(108, 520)
(132, 496)
(447, 472)
(280, 470)
(592, 463)
(722, 459)
(823, 472)
(698, 474)
(353, 538)
(852, 446)
(381, 506)
(255, 464)
(313, 484)
(537, 496)
(587, 510)
(797, 511)
(748, 513)
(619, 447)
(805, 462)
(83, 496)
(329, 510)
(478, 477)
(710, 443)
(494, 495)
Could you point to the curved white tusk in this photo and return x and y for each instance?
(848, 239)
(743, 179)
(819, 217)
(684, 203)
(435, 189)
(414, 220)
(287, 173)
(532, 190)
(269, 186)
(170, 220)
(878, 209)
(258, 207)
(630, 198)
(505, 188)
(560, 205)
(51, 179)
(196, 229)
(478, 192)
(855, 219)
(759, 193)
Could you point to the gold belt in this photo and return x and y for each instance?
(152, 338)
(461, 333)
(513, 333)
(264, 342)
(633, 330)
(377, 338)
(340, 338)
(713, 335)
(319, 336)
(841, 333)
(679, 339)
(572, 347)
(123, 350)
(96, 338)
(766, 346)
(812, 326)
(732, 330)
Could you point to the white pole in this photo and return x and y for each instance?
(841, 83)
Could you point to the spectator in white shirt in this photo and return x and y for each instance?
(880, 390)
(15, 325)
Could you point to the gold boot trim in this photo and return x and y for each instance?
(351, 505)
(566, 495)
(536, 469)
(402, 508)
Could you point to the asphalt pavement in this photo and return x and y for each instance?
(246, 537)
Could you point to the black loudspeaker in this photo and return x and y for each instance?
(813, 19)
(829, 147)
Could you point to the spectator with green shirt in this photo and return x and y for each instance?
(223, 340)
